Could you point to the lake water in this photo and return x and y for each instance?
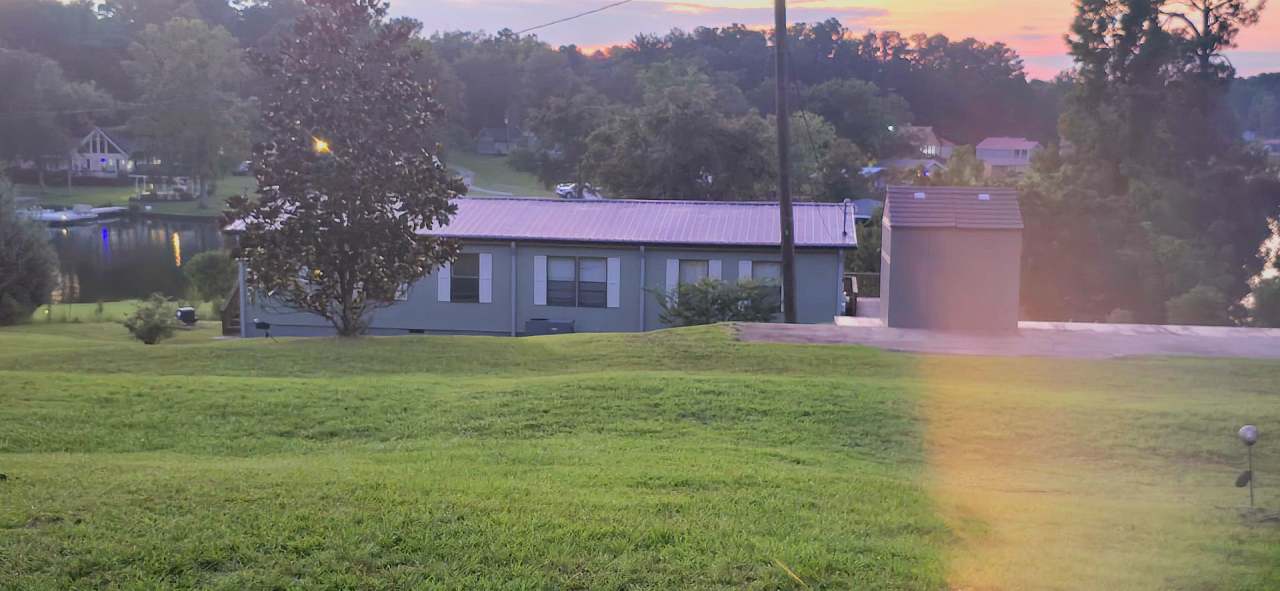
(128, 258)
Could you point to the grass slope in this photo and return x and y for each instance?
(679, 459)
(494, 173)
(1069, 474)
(674, 460)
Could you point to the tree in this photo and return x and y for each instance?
(189, 75)
(562, 124)
(1265, 309)
(866, 258)
(840, 173)
(34, 91)
(964, 169)
(860, 112)
(212, 274)
(86, 46)
(678, 145)
(1159, 209)
(27, 262)
(824, 166)
(1264, 114)
(1203, 305)
(1210, 26)
(347, 185)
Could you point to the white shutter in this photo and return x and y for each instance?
(486, 278)
(714, 269)
(540, 281)
(614, 278)
(673, 275)
(444, 286)
(744, 271)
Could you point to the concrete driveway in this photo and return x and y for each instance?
(1034, 339)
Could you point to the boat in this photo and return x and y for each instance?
(65, 217)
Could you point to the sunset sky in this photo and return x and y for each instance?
(1034, 27)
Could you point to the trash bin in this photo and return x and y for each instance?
(187, 315)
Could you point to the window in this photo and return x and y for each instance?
(577, 282)
(693, 271)
(593, 283)
(561, 281)
(465, 279)
(769, 273)
(402, 292)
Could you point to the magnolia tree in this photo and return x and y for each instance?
(346, 184)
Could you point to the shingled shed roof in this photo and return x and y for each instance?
(974, 208)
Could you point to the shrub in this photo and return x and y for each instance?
(710, 301)
(28, 262)
(154, 320)
(212, 274)
(1266, 303)
(1203, 304)
(1121, 316)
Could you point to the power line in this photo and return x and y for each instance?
(576, 16)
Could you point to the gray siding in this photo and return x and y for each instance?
(947, 278)
(818, 277)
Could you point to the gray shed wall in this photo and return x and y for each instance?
(948, 278)
(818, 275)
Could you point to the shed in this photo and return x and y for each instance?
(951, 258)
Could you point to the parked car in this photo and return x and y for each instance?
(570, 191)
(244, 169)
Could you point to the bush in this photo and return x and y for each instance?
(1121, 316)
(1266, 303)
(28, 262)
(154, 320)
(212, 274)
(1202, 305)
(710, 301)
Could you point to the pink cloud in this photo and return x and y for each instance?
(1033, 27)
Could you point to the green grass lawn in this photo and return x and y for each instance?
(60, 196)
(109, 312)
(681, 459)
(494, 173)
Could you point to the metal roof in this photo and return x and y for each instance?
(976, 208)
(708, 223)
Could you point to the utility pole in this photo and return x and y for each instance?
(785, 213)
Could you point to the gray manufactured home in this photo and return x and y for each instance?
(595, 264)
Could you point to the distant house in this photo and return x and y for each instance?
(100, 154)
(1006, 156)
(930, 144)
(498, 141)
(593, 265)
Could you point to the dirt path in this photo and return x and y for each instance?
(1036, 339)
